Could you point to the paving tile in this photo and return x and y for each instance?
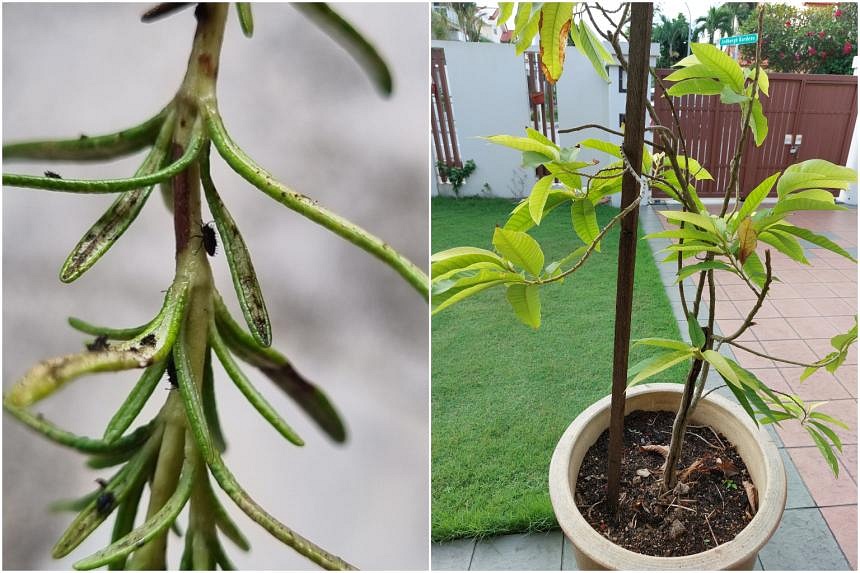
(850, 275)
(795, 350)
(727, 310)
(831, 307)
(568, 561)
(797, 307)
(749, 360)
(844, 289)
(740, 292)
(821, 385)
(780, 291)
(843, 524)
(845, 411)
(793, 435)
(815, 290)
(830, 275)
(729, 326)
(773, 378)
(849, 460)
(773, 329)
(847, 375)
(803, 541)
(768, 309)
(452, 555)
(824, 487)
(798, 493)
(523, 552)
(816, 327)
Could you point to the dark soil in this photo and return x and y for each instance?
(654, 524)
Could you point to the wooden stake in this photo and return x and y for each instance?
(634, 137)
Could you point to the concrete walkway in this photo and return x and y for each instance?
(811, 304)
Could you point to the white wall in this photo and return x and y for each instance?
(489, 97)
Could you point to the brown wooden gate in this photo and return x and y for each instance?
(542, 101)
(442, 114)
(809, 116)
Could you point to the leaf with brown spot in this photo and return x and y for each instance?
(554, 25)
(747, 239)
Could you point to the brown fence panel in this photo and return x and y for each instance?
(542, 102)
(442, 114)
(821, 109)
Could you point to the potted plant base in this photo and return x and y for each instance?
(593, 551)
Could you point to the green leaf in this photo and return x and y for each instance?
(703, 266)
(505, 11)
(693, 71)
(785, 206)
(528, 31)
(250, 392)
(694, 168)
(134, 403)
(239, 260)
(699, 86)
(784, 243)
(747, 239)
(524, 144)
(521, 218)
(763, 81)
(729, 96)
(210, 407)
(819, 240)
(685, 233)
(825, 450)
(342, 32)
(567, 173)
(590, 47)
(612, 149)
(520, 249)
(829, 433)
(758, 123)
(663, 343)
(829, 419)
(246, 19)
(754, 270)
(756, 196)
(461, 257)
(697, 335)
(526, 302)
(719, 65)
(555, 20)
(465, 293)
(538, 196)
(657, 364)
(151, 528)
(524, 12)
(722, 365)
(702, 221)
(540, 138)
(584, 220)
(533, 159)
(815, 173)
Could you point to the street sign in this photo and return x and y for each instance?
(738, 40)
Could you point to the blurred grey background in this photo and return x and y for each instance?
(303, 109)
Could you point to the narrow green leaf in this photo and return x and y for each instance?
(526, 302)
(656, 364)
(91, 148)
(693, 71)
(784, 243)
(110, 333)
(705, 222)
(524, 144)
(755, 197)
(520, 249)
(608, 147)
(703, 266)
(191, 398)
(308, 396)
(584, 220)
(730, 96)
(819, 240)
(540, 138)
(699, 86)
(134, 403)
(351, 40)
(722, 365)
(524, 13)
(685, 233)
(815, 174)
(124, 523)
(506, 9)
(521, 218)
(463, 294)
(246, 19)
(239, 259)
(555, 21)
(250, 392)
(697, 335)
(151, 528)
(663, 343)
(758, 123)
(829, 419)
(526, 34)
(754, 270)
(461, 257)
(829, 433)
(210, 407)
(538, 196)
(825, 450)
(590, 47)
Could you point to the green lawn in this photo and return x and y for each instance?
(503, 393)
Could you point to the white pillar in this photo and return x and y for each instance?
(849, 196)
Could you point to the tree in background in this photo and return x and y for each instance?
(468, 20)
(816, 40)
(439, 26)
(718, 19)
(672, 35)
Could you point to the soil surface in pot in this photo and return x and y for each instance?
(708, 508)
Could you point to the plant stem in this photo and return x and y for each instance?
(640, 37)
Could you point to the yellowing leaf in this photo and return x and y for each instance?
(747, 238)
(554, 24)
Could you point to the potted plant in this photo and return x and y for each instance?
(615, 499)
(174, 459)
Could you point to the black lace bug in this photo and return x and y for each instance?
(52, 175)
(148, 340)
(106, 500)
(210, 240)
(99, 344)
(171, 375)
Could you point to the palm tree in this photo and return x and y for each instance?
(717, 19)
(468, 19)
(740, 11)
(672, 35)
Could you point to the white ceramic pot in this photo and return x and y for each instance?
(593, 551)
